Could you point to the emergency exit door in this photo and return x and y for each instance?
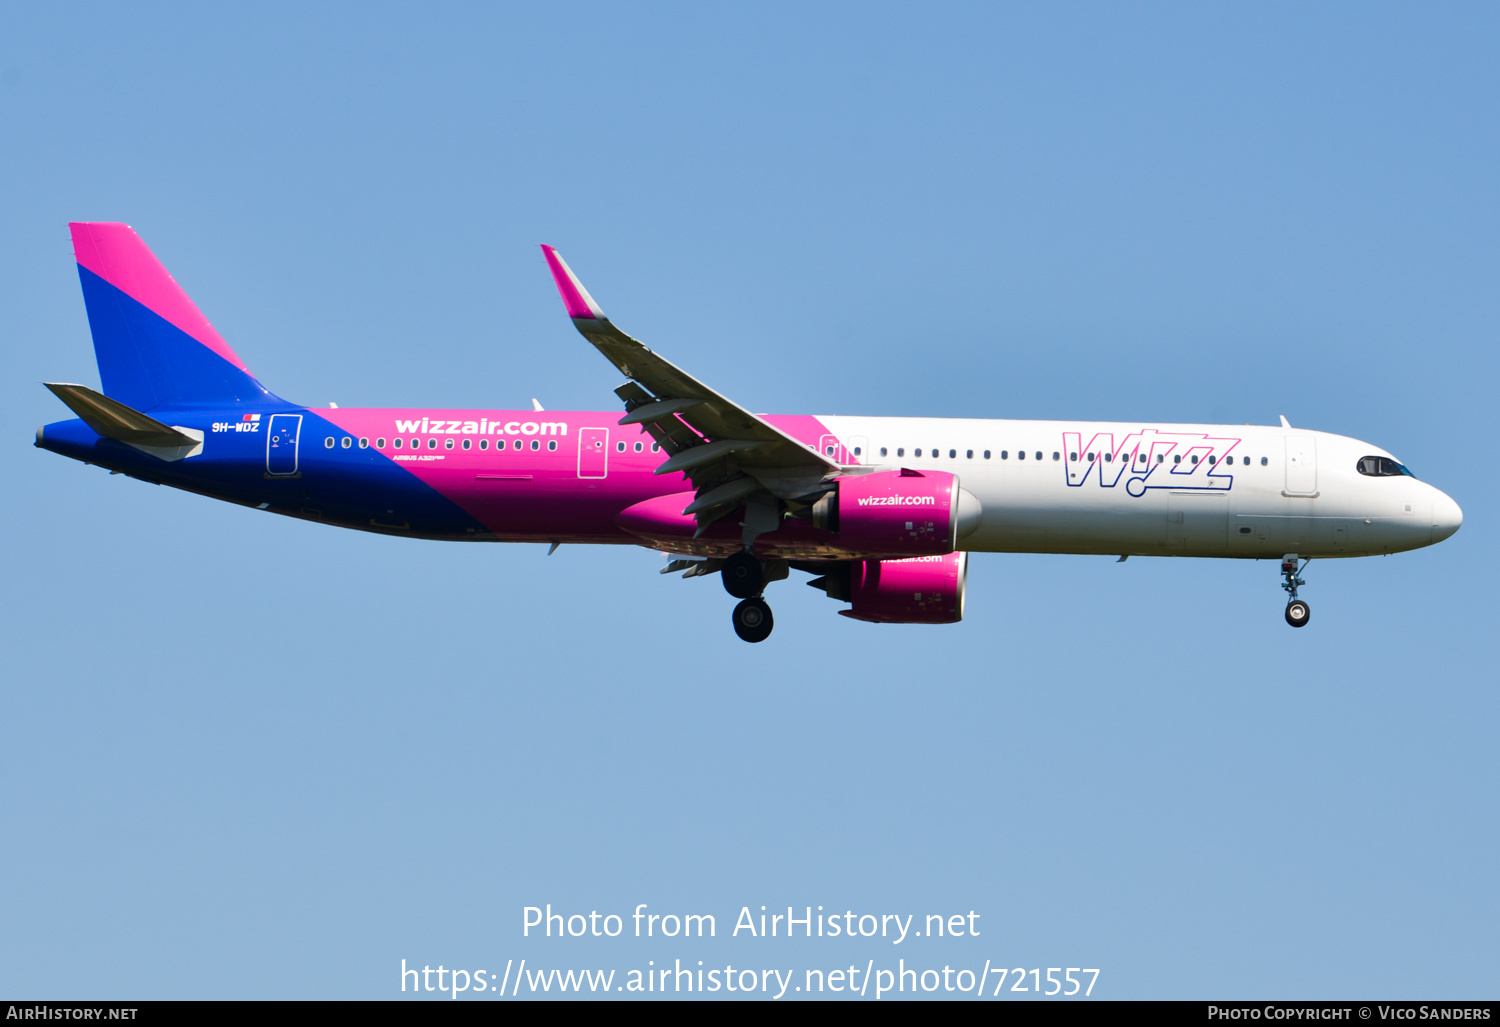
(593, 452)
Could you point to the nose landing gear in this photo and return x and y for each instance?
(745, 579)
(1297, 610)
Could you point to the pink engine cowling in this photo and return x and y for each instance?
(919, 590)
(898, 512)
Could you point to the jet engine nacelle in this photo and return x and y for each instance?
(917, 512)
(917, 590)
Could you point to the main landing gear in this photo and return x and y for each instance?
(743, 575)
(745, 579)
(752, 620)
(1297, 610)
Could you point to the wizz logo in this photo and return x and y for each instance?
(1150, 459)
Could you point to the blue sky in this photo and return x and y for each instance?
(251, 757)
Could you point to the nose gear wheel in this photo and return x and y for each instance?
(1297, 610)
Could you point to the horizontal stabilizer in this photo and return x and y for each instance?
(112, 419)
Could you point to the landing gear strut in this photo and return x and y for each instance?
(1297, 610)
(752, 620)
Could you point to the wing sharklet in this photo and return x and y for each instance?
(577, 299)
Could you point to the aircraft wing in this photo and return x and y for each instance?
(727, 452)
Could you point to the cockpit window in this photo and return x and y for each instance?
(1382, 467)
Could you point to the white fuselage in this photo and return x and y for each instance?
(1129, 488)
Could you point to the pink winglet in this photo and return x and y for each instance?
(116, 254)
(575, 297)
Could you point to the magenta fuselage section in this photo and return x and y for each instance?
(564, 476)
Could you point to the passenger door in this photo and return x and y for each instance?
(1301, 465)
(281, 445)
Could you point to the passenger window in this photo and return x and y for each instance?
(347, 442)
(416, 443)
(535, 445)
(432, 443)
(619, 447)
(517, 446)
(1039, 454)
(1160, 458)
(882, 451)
(1195, 458)
(916, 452)
(856, 451)
(396, 443)
(364, 443)
(639, 447)
(1020, 454)
(1056, 455)
(655, 447)
(828, 451)
(1005, 454)
(380, 443)
(986, 454)
(1109, 458)
(969, 455)
(1073, 457)
(468, 444)
(1177, 459)
(900, 452)
(1211, 459)
(551, 445)
(1264, 461)
(484, 443)
(447, 443)
(328, 442)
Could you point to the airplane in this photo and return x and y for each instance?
(882, 511)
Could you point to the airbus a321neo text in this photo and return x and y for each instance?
(882, 511)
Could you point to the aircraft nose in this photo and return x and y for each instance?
(1446, 517)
